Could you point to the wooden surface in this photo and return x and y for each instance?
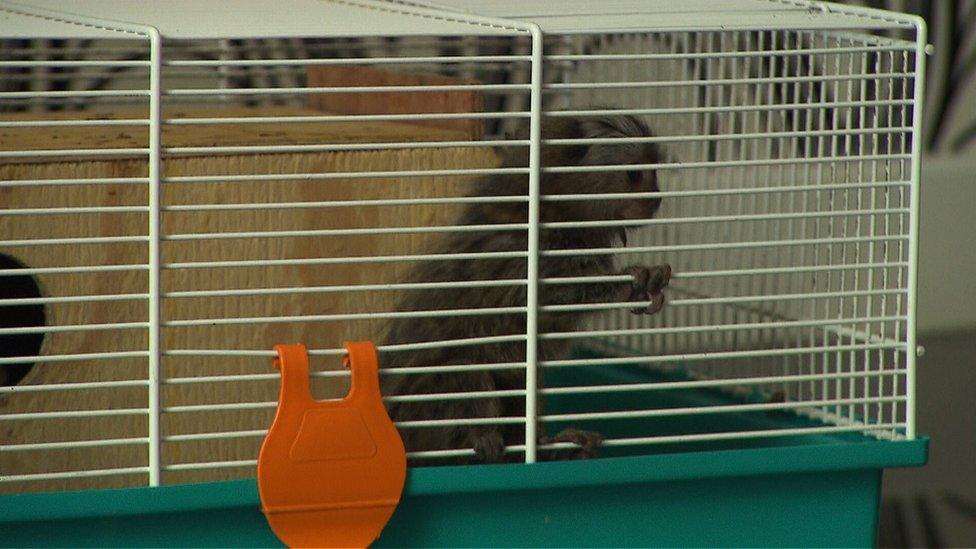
(396, 102)
(253, 335)
(209, 135)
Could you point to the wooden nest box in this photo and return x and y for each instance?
(186, 403)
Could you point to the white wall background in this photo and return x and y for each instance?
(947, 243)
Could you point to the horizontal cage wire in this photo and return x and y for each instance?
(171, 208)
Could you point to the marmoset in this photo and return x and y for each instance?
(489, 441)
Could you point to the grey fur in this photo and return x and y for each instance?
(489, 441)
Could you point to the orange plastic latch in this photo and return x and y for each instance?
(330, 473)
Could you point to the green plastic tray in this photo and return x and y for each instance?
(804, 490)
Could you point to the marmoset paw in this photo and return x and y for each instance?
(488, 447)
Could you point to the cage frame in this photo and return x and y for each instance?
(237, 493)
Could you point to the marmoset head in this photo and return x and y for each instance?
(619, 180)
(612, 156)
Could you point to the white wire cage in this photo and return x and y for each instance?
(180, 195)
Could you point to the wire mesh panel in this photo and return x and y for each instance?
(612, 233)
(76, 241)
(307, 218)
(303, 183)
(785, 215)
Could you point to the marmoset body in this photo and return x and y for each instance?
(489, 442)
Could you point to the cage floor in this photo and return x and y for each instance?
(673, 425)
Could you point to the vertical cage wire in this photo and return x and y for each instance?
(60, 235)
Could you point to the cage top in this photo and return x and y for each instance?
(569, 16)
(190, 19)
(17, 24)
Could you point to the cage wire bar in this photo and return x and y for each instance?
(358, 259)
(153, 352)
(856, 337)
(737, 317)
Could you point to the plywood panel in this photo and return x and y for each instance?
(257, 335)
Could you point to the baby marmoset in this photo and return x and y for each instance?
(489, 441)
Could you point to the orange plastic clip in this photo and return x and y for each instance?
(330, 473)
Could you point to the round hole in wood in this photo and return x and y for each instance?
(15, 286)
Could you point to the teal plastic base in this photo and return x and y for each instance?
(822, 495)
(810, 490)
